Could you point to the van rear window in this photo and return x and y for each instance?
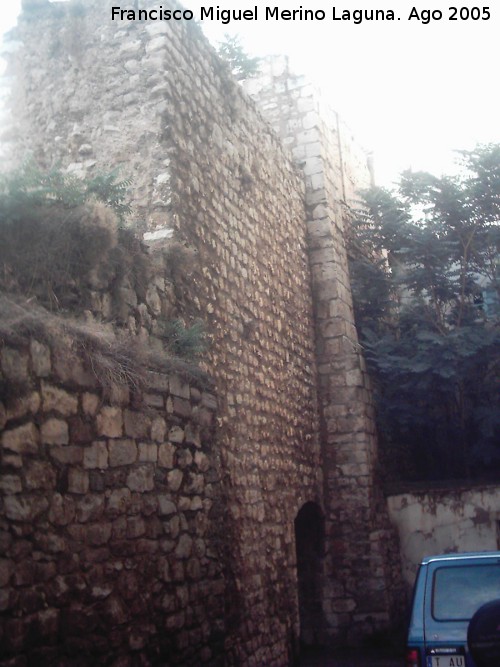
(460, 590)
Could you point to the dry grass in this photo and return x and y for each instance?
(115, 358)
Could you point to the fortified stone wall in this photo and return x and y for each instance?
(356, 600)
(155, 99)
(208, 171)
(111, 519)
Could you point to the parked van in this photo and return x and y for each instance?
(449, 590)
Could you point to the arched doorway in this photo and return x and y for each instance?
(310, 547)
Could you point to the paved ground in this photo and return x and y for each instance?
(358, 658)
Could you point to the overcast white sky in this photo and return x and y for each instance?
(411, 92)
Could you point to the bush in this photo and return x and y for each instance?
(55, 229)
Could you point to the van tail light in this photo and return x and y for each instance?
(412, 657)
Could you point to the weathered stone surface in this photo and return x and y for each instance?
(158, 429)
(174, 479)
(22, 440)
(67, 454)
(110, 422)
(24, 508)
(90, 403)
(148, 453)
(185, 547)
(166, 453)
(96, 456)
(141, 479)
(14, 364)
(166, 506)
(40, 475)
(10, 484)
(137, 424)
(90, 507)
(122, 452)
(176, 434)
(179, 388)
(78, 481)
(55, 432)
(118, 501)
(58, 400)
(62, 510)
(40, 358)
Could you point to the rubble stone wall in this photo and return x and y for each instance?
(109, 530)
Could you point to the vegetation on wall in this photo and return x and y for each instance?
(241, 64)
(427, 303)
(56, 229)
(62, 237)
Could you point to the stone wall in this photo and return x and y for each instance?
(444, 520)
(358, 600)
(267, 273)
(110, 549)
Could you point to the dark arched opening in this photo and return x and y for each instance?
(310, 546)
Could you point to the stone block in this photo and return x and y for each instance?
(184, 547)
(135, 527)
(14, 364)
(10, 484)
(176, 434)
(58, 400)
(179, 387)
(166, 454)
(40, 475)
(181, 407)
(154, 400)
(99, 534)
(141, 479)
(166, 506)
(209, 400)
(80, 430)
(70, 369)
(118, 501)
(122, 452)
(55, 432)
(202, 462)
(136, 424)
(40, 358)
(110, 422)
(6, 570)
(89, 507)
(90, 403)
(96, 456)
(24, 508)
(148, 453)
(158, 429)
(62, 510)
(25, 405)
(174, 480)
(22, 440)
(68, 454)
(78, 481)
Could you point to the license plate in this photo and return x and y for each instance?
(446, 661)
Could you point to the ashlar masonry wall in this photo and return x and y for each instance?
(357, 600)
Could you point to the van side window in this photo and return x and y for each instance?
(459, 591)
